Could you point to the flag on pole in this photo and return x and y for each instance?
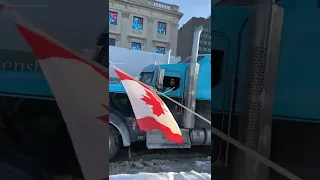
(150, 110)
(81, 90)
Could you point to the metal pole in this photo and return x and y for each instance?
(168, 56)
(189, 118)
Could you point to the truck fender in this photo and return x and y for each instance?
(118, 123)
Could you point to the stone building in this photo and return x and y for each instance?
(146, 25)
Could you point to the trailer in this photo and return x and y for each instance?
(132, 61)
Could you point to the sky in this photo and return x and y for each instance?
(191, 8)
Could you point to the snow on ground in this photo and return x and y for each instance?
(192, 175)
(149, 165)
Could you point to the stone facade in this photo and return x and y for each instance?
(152, 12)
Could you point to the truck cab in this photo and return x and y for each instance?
(178, 73)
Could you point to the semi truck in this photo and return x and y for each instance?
(187, 82)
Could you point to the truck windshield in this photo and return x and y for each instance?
(146, 77)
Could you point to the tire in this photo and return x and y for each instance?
(114, 141)
(15, 166)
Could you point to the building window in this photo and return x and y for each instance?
(205, 42)
(160, 50)
(201, 42)
(136, 46)
(204, 49)
(113, 18)
(162, 28)
(137, 23)
(112, 42)
(209, 37)
(209, 43)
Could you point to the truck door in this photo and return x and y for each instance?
(219, 63)
(225, 46)
(177, 94)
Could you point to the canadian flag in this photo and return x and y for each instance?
(81, 90)
(150, 111)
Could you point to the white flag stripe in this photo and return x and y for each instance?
(88, 133)
(142, 109)
(81, 94)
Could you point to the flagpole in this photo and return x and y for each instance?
(186, 108)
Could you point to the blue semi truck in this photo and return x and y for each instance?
(187, 82)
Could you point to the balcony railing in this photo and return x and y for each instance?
(159, 4)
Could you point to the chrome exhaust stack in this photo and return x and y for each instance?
(168, 55)
(189, 118)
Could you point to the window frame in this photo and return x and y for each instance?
(116, 22)
(114, 41)
(165, 29)
(133, 21)
(135, 43)
(161, 47)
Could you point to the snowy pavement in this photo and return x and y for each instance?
(192, 175)
(162, 165)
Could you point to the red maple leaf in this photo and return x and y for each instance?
(105, 118)
(153, 100)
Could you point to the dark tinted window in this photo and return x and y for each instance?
(103, 39)
(188, 59)
(112, 42)
(102, 49)
(216, 66)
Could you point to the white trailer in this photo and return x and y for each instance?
(132, 61)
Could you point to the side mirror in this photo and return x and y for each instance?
(159, 84)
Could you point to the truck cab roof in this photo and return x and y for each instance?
(200, 57)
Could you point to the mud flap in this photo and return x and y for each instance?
(157, 140)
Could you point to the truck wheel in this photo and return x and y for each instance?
(114, 141)
(14, 166)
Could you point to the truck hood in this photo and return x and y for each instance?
(118, 88)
